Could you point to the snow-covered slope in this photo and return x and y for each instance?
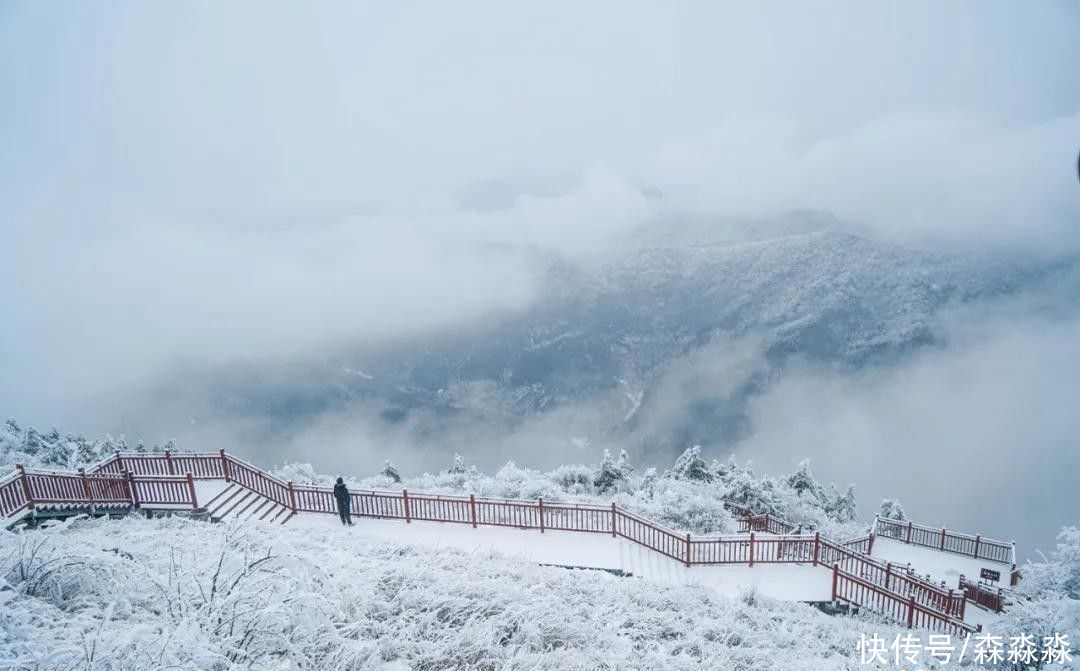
(187, 595)
(657, 346)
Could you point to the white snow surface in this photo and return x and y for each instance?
(946, 567)
(142, 594)
(783, 582)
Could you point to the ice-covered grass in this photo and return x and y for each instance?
(171, 593)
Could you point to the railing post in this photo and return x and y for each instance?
(541, 514)
(888, 573)
(119, 460)
(168, 462)
(687, 562)
(25, 486)
(85, 484)
(191, 490)
(911, 611)
(292, 497)
(613, 513)
(405, 503)
(908, 541)
(835, 577)
(817, 546)
(977, 540)
(224, 465)
(132, 492)
(870, 545)
(942, 548)
(472, 510)
(751, 549)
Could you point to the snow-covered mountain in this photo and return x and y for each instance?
(660, 344)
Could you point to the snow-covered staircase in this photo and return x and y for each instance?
(236, 502)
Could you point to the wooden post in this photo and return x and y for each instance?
(25, 486)
(687, 548)
(835, 577)
(870, 545)
(405, 504)
(817, 546)
(472, 509)
(168, 462)
(224, 465)
(191, 490)
(613, 513)
(978, 539)
(85, 484)
(130, 479)
(751, 549)
(911, 611)
(888, 573)
(541, 515)
(292, 496)
(908, 533)
(942, 548)
(119, 459)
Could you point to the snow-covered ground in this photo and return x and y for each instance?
(172, 593)
(944, 567)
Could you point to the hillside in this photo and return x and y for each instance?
(658, 344)
(184, 595)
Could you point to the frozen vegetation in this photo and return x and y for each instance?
(688, 496)
(142, 594)
(136, 593)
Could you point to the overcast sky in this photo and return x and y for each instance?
(219, 181)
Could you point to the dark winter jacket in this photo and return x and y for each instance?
(341, 493)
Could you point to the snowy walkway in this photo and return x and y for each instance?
(784, 582)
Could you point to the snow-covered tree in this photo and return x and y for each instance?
(841, 507)
(57, 451)
(33, 443)
(891, 510)
(690, 466)
(86, 452)
(1049, 600)
(459, 465)
(802, 481)
(648, 482)
(390, 471)
(610, 476)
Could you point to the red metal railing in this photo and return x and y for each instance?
(863, 593)
(163, 490)
(985, 596)
(946, 541)
(12, 495)
(862, 544)
(153, 479)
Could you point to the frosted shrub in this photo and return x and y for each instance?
(302, 474)
(573, 479)
(679, 505)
